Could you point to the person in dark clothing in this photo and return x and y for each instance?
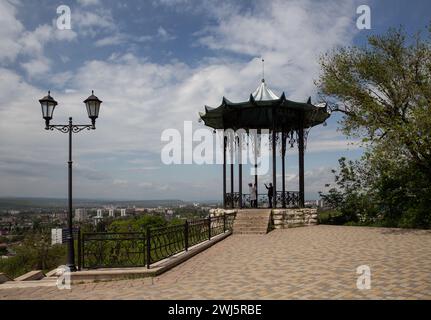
(270, 189)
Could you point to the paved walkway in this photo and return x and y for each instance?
(317, 262)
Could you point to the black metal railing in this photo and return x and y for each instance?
(165, 242)
(137, 249)
(113, 249)
(291, 199)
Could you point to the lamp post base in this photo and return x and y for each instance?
(71, 267)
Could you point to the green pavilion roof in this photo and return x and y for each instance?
(261, 109)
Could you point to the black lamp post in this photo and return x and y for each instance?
(93, 106)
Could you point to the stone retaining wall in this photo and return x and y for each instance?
(288, 218)
(220, 211)
(282, 218)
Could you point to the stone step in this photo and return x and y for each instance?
(252, 213)
(248, 225)
(4, 278)
(252, 221)
(251, 226)
(250, 232)
(250, 216)
(31, 276)
(247, 221)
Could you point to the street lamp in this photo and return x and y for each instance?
(93, 106)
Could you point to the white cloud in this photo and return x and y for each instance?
(27, 44)
(94, 22)
(36, 67)
(142, 98)
(121, 38)
(164, 35)
(120, 182)
(290, 35)
(86, 3)
(10, 30)
(111, 40)
(315, 180)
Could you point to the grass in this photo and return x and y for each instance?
(329, 216)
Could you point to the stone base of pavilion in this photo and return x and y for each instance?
(281, 218)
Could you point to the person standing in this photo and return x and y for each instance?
(270, 189)
(255, 194)
(252, 191)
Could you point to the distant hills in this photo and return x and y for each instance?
(43, 203)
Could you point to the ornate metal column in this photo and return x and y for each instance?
(301, 161)
(231, 185)
(283, 177)
(239, 173)
(48, 105)
(70, 128)
(255, 169)
(274, 160)
(274, 169)
(224, 172)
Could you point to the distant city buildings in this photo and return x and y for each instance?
(81, 215)
(56, 236)
(13, 212)
(111, 213)
(12, 223)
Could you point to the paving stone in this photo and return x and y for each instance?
(316, 262)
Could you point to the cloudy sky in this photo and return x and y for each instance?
(155, 64)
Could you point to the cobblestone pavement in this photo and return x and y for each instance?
(317, 262)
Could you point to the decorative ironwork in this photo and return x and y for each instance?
(232, 198)
(198, 231)
(292, 139)
(291, 199)
(121, 249)
(306, 131)
(66, 128)
(137, 249)
(217, 225)
(166, 242)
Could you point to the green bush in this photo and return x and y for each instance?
(35, 253)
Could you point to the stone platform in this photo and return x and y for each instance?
(288, 218)
(317, 262)
(252, 221)
(280, 218)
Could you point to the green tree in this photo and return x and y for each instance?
(137, 224)
(383, 91)
(34, 253)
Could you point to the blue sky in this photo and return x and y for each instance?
(155, 64)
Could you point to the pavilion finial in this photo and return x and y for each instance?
(263, 70)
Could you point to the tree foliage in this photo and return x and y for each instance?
(383, 91)
(137, 224)
(34, 253)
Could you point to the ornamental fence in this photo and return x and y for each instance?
(138, 249)
(284, 199)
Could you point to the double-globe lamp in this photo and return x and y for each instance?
(48, 105)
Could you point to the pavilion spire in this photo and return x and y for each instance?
(262, 92)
